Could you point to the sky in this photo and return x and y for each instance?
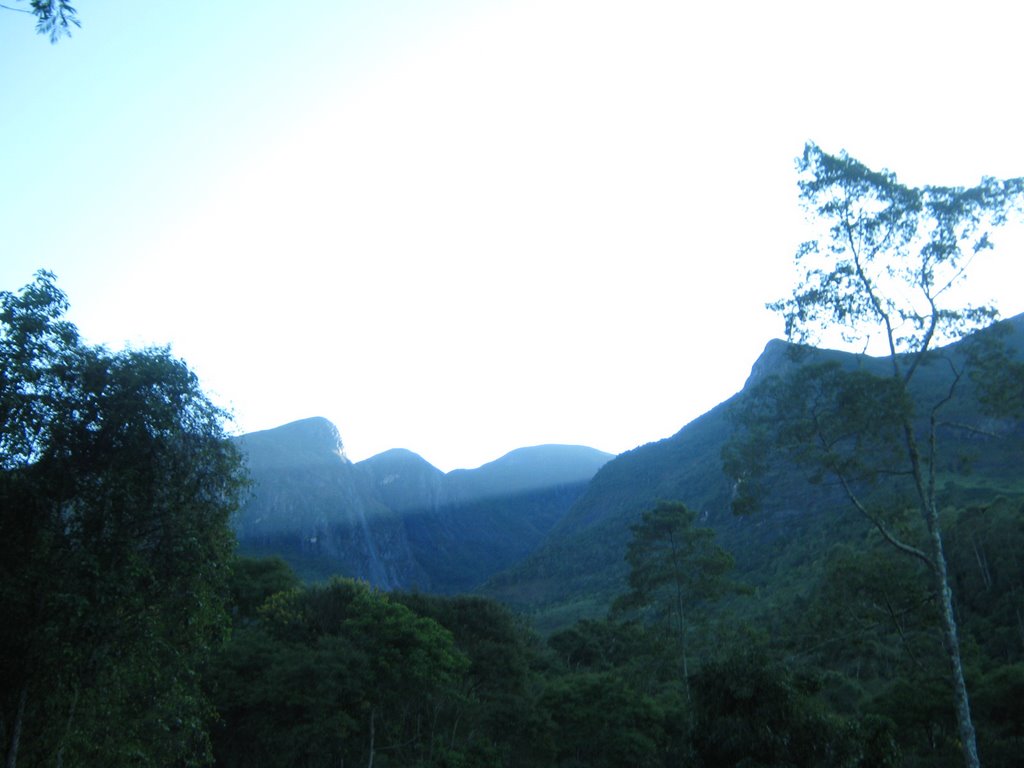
(462, 227)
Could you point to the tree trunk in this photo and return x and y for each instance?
(937, 557)
(951, 642)
(67, 729)
(682, 645)
(369, 764)
(986, 572)
(1020, 625)
(680, 618)
(19, 718)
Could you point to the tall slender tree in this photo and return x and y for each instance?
(674, 567)
(884, 276)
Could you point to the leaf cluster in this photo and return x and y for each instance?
(54, 18)
(891, 254)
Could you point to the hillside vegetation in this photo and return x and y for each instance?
(581, 565)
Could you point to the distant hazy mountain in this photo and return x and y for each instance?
(526, 470)
(580, 566)
(403, 480)
(394, 519)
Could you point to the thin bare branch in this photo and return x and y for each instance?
(902, 546)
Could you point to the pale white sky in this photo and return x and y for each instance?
(462, 227)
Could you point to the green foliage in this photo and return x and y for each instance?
(675, 568)
(872, 616)
(998, 696)
(986, 562)
(253, 580)
(54, 18)
(116, 485)
(865, 633)
(833, 421)
(884, 269)
(499, 717)
(596, 719)
(891, 253)
(644, 657)
(753, 712)
(842, 677)
(332, 673)
(672, 561)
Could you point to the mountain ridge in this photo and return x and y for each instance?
(394, 519)
(544, 528)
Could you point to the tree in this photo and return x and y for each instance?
(255, 579)
(116, 485)
(674, 566)
(495, 717)
(597, 719)
(866, 617)
(752, 711)
(886, 271)
(335, 674)
(53, 17)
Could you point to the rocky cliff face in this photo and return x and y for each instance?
(310, 505)
(394, 520)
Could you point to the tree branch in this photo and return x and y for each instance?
(889, 537)
(869, 289)
(967, 428)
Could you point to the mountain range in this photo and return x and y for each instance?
(395, 520)
(545, 529)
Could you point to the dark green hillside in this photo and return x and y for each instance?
(580, 567)
(461, 545)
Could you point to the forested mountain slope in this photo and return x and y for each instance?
(581, 567)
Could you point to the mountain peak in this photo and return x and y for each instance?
(396, 455)
(307, 441)
(542, 455)
(528, 469)
(776, 356)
